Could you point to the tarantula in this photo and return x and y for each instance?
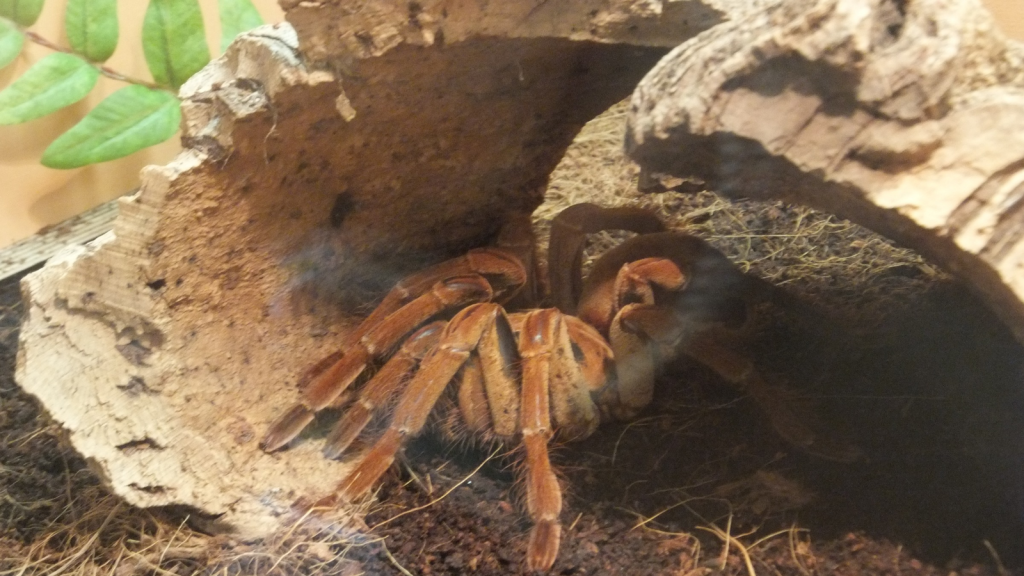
(540, 372)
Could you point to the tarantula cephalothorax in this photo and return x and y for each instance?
(540, 372)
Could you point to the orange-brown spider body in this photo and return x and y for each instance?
(528, 375)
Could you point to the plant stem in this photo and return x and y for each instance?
(109, 73)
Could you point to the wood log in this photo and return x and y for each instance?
(905, 117)
(321, 163)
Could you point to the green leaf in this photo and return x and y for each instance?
(24, 12)
(174, 41)
(54, 82)
(91, 26)
(133, 118)
(236, 16)
(11, 40)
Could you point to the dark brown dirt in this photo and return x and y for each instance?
(37, 472)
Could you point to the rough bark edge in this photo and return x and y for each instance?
(96, 320)
(873, 111)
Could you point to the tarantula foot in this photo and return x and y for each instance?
(543, 547)
(286, 427)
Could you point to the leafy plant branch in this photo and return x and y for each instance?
(104, 70)
(137, 116)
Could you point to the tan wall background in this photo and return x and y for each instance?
(32, 196)
(1009, 15)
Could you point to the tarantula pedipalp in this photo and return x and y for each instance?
(532, 374)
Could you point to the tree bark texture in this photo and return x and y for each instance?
(905, 117)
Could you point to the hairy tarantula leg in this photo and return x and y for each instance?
(636, 281)
(596, 361)
(710, 277)
(502, 269)
(489, 392)
(381, 388)
(327, 386)
(637, 329)
(459, 339)
(517, 237)
(543, 494)
(595, 355)
(784, 409)
(472, 397)
(572, 407)
(319, 368)
(569, 237)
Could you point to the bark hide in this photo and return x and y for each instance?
(322, 162)
(905, 117)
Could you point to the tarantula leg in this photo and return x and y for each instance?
(597, 364)
(319, 368)
(543, 495)
(489, 391)
(517, 237)
(502, 268)
(712, 282)
(569, 237)
(638, 331)
(472, 397)
(572, 408)
(381, 388)
(544, 503)
(327, 386)
(461, 336)
(594, 355)
(787, 413)
(741, 371)
(637, 280)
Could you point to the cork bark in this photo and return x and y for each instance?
(905, 117)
